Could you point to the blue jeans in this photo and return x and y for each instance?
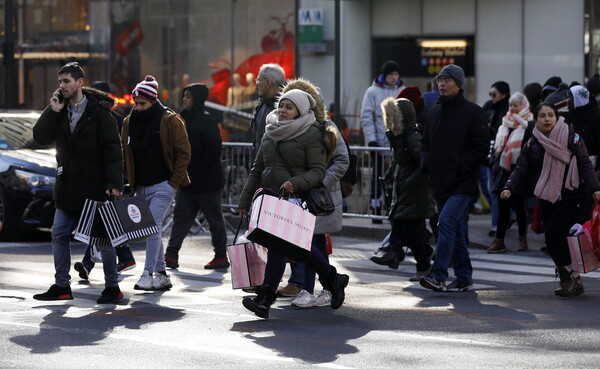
(64, 224)
(160, 196)
(451, 244)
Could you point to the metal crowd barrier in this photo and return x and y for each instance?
(236, 166)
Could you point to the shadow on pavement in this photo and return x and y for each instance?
(300, 336)
(58, 331)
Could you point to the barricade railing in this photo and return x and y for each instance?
(370, 161)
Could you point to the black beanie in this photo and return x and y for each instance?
(552, 83)
(502, 87)
(593, 84)
(102, 86)
(389, 67)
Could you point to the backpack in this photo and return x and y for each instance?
(349, 179)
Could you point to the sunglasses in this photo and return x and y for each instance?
(492, 94)
(72, 64)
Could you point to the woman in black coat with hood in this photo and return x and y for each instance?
(206, 174)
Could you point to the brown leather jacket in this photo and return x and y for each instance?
(176, 149)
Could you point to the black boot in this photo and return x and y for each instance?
(392, 258)
(570, 282)
(260, 304)
(335, 283)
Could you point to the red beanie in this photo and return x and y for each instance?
(412, 93)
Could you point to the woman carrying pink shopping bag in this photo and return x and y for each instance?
(294, 128)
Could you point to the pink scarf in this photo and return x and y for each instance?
(557, 156)
(509, 142)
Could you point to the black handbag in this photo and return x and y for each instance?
(318, 199)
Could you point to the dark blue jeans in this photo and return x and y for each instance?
(64, 224)
(451, 245)
(187, 206)
(302, 274)
(276, 266)
(124, 255)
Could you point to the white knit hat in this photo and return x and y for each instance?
(303, 101)
(581, 96)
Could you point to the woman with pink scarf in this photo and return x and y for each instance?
(555, 166)
(512, 134)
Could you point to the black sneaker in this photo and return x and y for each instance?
(432, 283)
(110, 295)
(55, 293)
(458, 286)
(84, 273)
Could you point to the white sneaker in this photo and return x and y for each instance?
(145, 283)
(324, 299)
(304, 300)
(162, 282)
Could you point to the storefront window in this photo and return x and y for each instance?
(177, 41)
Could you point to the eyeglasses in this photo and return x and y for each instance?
(492, 94)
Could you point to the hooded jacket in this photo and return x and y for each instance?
(89, 159)
(371, 116)
(336, 168)
(412, 199)
(204, 169)
(456, 141)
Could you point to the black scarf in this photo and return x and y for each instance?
(144, 125)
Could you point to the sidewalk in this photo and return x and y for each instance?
(479, 227)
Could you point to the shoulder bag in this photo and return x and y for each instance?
(318, 199)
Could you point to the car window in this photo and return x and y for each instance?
(16, 131)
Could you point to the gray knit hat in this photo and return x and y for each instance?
(303, 101)
(455, 72)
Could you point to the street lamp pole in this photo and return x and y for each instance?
(337, 109)
(10, 87)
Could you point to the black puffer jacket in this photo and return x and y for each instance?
(412, 199)
(455, 143)
(585, 121)
(204, 169)
(89, 160)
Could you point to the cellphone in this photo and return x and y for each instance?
(61, 98)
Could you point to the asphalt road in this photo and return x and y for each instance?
(511, 320)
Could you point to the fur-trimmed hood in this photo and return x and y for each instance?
(104, 99)
(398, 115)
(308, 87)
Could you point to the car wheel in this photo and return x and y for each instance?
(8, 219)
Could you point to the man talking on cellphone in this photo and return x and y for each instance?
(89, 166)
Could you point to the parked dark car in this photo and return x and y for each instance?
(27, 176)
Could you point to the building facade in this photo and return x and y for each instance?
(180, 41)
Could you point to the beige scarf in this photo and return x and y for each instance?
(288, 129)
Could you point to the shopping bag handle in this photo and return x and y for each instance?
(237, 231)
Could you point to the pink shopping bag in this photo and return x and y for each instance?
(248, 262)
(583, 258)
(282, 226)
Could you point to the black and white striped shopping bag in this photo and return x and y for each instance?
(90, 228)
(127, 220)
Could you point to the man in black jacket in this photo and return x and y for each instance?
(270, 79)
(455, 143)
(89, 166)
(206, 174)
